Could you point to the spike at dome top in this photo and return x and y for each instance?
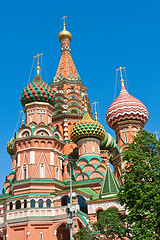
(126, 107)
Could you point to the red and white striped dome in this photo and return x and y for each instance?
(126, 107)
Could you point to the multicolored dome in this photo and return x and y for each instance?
(108, 142)
(10, 147)
(126, 107)
(37, 90)
(87, 127)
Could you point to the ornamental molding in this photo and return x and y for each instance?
(25, 130)
(42, 129)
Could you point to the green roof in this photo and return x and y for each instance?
(110, 185)
(89, 157)
(89, 191)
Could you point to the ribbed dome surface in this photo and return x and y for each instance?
(10, 147)
(87, 127)
(108, 142)
(37, 90)
(126, 107)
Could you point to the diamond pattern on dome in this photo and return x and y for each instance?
(87, 127)
(37, 90)
(10, 147)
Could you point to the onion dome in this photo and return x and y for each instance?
(108, 142)
(64, 33)
(10, 147)
(126, 107)
(37, 90)
(87, 127)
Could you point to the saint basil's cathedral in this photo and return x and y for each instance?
(61, 156)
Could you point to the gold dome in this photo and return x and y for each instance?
(64, 33)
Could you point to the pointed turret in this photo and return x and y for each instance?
(66, 68)
(110, 185)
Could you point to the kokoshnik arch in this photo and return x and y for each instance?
(58, 127)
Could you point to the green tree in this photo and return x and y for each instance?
(111, 225)
(84, 234)
(141, 192)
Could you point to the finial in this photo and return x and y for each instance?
(38, 67)
(85, 102)
(122, 80)
(64, 33)
(95, 109)
(64, 23)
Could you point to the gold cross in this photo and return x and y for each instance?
(38, 57)
(120, 69)
(64, 17)
(95, 103)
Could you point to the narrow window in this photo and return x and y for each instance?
(42, 171)
(84, 148)
(31, 118)
(32, 203)
(126, 140)
(40, 203)
(41, 236)
(32, 157)
(25, 203)
(24, 173)
(18, 160)
(10, 206)
(93, 149)
(82, 177)
(51, 158)
(48, 203)
(57, 173)
(40, 117)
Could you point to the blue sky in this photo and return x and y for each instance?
(106, 35)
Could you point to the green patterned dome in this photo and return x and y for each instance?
(87, 127)
(37, 90)
(10, 147)
(108, 142)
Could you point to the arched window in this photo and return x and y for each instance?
(99, 213)
(10, 206)
(40, 203)
(25, 203)
(82, 204)
(48, 203)
(64, 200)
(18, 204)
(32, 202)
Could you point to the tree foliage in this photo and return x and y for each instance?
(111, 224)
(141, 192)
(84, 234)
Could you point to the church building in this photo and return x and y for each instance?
(61, 175)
